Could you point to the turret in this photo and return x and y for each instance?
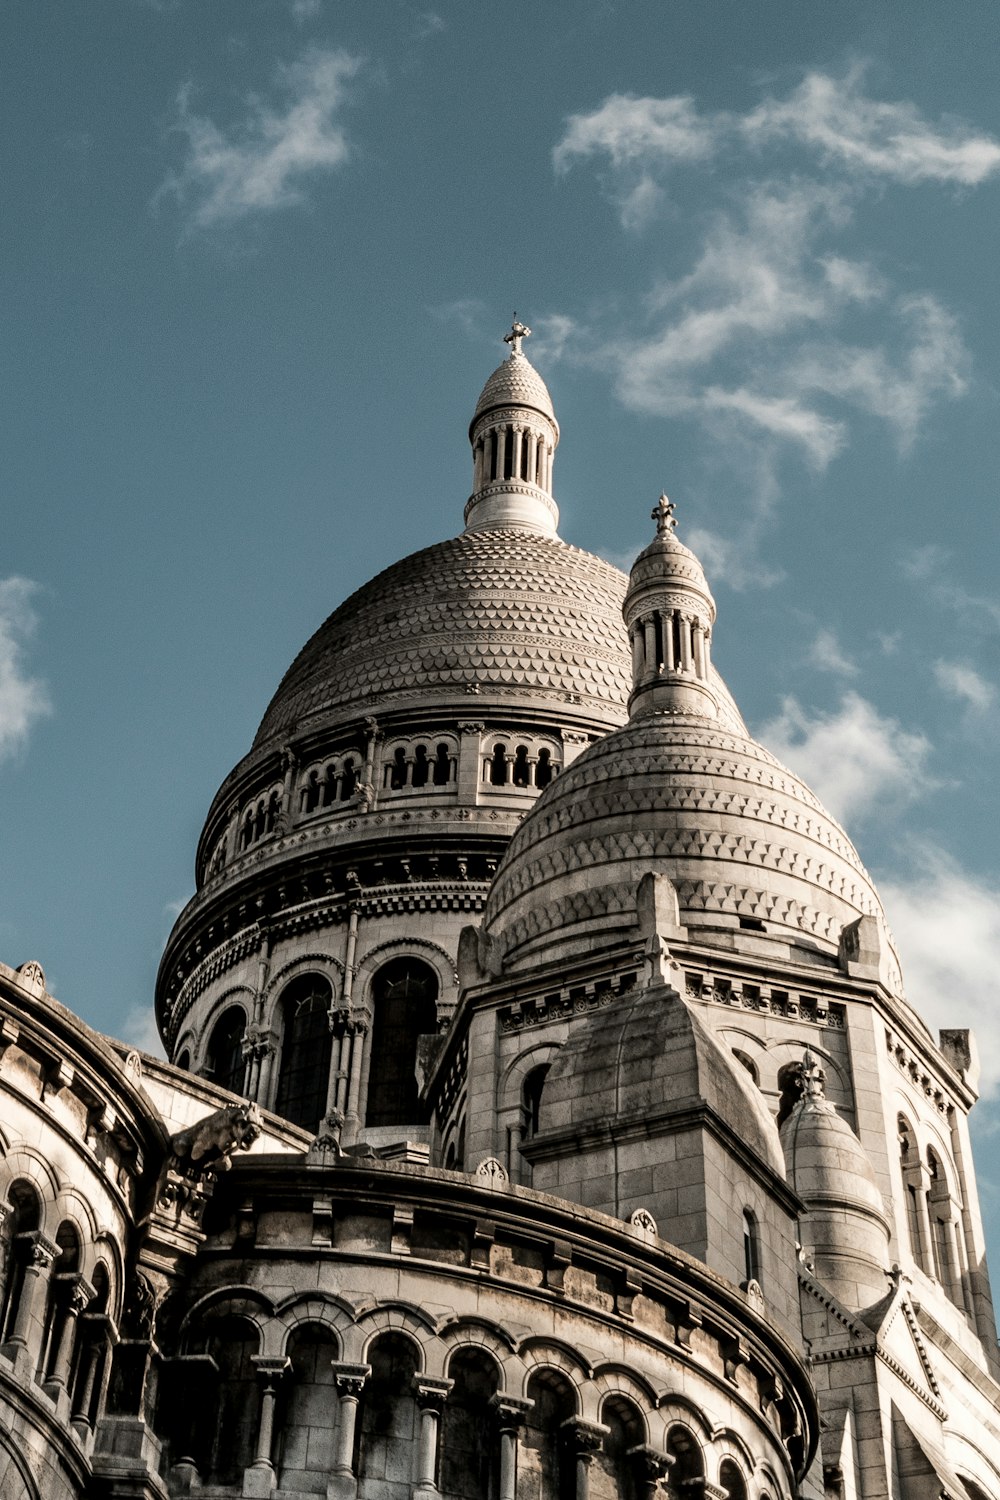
(514, 435)
(669, 613)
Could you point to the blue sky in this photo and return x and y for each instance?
(257, 258)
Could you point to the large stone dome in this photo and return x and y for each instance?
(490, 611)
(743, 840)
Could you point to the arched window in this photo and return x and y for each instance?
(20, 1226)
(309, 796)
(398, 769)
(306, 1046)
(421, 767)
(273, 806)
(544, 1453)
(349, 780)
(943, 1237)
(688, 1464)
(470, 1454)
(404, 994)
(531, 1100)
(232, 1343)
(751, 1246)
(226, 1063)
(615, 1475)
(521, 773)
(259, 820)
(442, 766)
(909, 1164)
(184, 1061)
(732, 1481)
(544, 769)
(329, 786)
(306, 1426)
(498, 765)
(387, 1426)
(58, 1327)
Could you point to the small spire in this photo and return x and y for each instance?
(663, 515)
(812, 1076)
(518, 331)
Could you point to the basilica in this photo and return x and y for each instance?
(544, 1117)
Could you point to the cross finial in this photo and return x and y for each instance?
(663, 515)
(518, 331)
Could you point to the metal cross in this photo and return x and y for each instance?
(518, 331)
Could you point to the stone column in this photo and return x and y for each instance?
(584, 1440)
(650, 663)
(359, 1059)
(39, 1257)
(431, 1396)
(699, 649)
(96, 1348)
(669, 655)
(686, 622)
(533, 457)
(350, 1382)
(650, 1466)
(75, 1295)
(260, 1479)
(510, 1413)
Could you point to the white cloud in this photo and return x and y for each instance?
(963, 682)
(833, 117)
(551, 335)
(627, 130)
(854, 759)
(139, 1030)
(947, 925)
(262, 163)
(23, 698)
(828, 116)
(305, 10)
(826, 654)
(429, 24)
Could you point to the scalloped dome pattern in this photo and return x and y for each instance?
(515, 383)
(736, 832)
(486, 611)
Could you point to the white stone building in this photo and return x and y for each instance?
(506, 1151)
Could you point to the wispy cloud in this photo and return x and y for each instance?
(963, 682)
(855, 759)
(305, 10)
(833, 118)
(24, 699)
(947, 924)
(263, 161)
(757, 337)
(826, 654)
(836, 118)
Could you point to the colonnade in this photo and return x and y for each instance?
(670, 641)
(512, 450)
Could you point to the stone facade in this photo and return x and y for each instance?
(506, 1151)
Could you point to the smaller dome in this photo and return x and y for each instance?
(515, 383)
(825, 1161)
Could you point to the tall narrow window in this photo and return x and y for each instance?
(615, 1464)
(21, 1222)
(442, 766)
(421, 767)
(543, 770)
(688, 1464)
(751, 1247)
(498, 765)
(387, 1425)
(404, 996)
(545, 1459)
(531, 1100)
(470, 1455)
(348, 781)
(306, 1428)
(522, 771)
(226, 1064)
(398, 770)
(732, 1481)
(306, 1046)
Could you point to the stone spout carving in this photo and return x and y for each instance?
(202, 1152)
(208, 1145)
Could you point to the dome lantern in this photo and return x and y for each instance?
(514, 435)
(669, 613)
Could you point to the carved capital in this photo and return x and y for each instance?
(42, 1253)
(510, 1411)
(584, 1438)
(350, 1379)
(431, 1394)
(270, 1370)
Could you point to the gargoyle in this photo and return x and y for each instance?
(207, 1147)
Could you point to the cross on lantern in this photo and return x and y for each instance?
(518, 331)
